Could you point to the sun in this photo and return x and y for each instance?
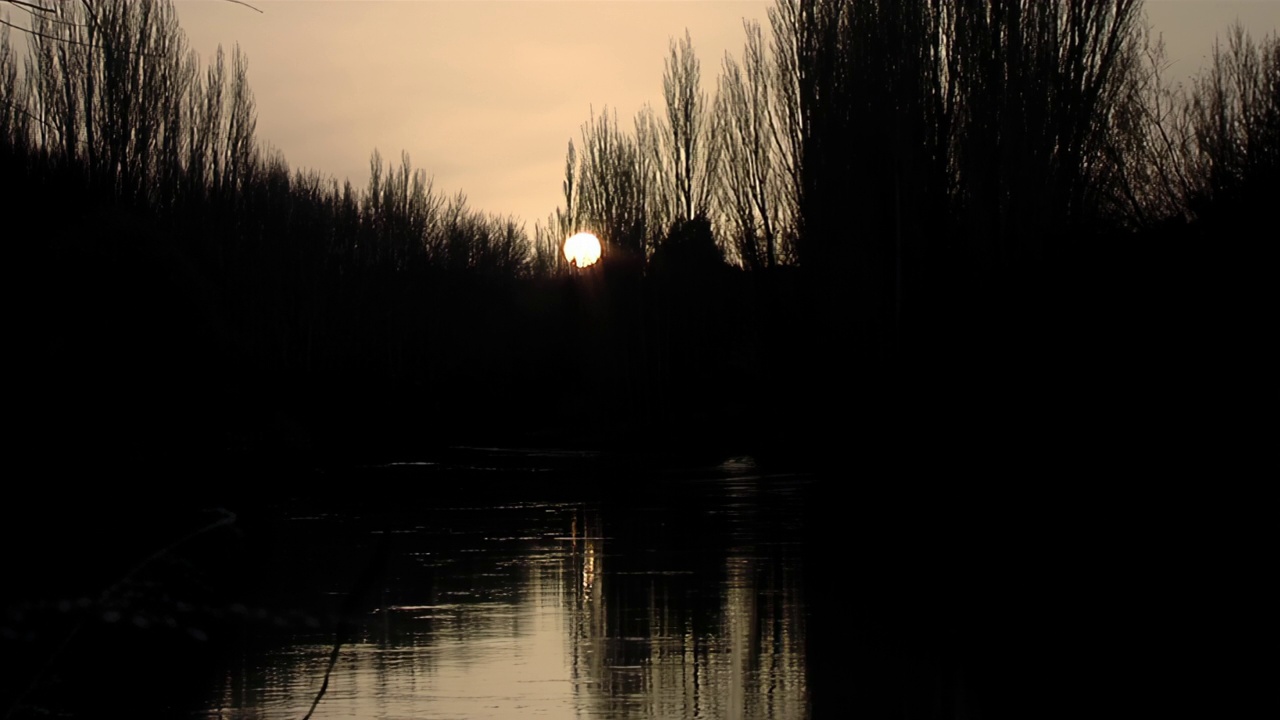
(582, 249)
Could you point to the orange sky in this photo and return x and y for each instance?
(485, 95)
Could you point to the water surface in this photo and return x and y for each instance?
(679, 601)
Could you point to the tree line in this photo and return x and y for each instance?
(947, 178)
(875, 173)
(862, 132)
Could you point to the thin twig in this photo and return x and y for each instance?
(33, 6)
(69, 41)
(333, 660)
(241, 2)
(53, 20)
(348, 608)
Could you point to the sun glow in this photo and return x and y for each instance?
(582, 249)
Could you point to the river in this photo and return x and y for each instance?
(682, 600)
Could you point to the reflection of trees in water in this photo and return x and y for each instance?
(764, 627)
(675, 614)
(472, 607)
(657, 638)
(589, 662)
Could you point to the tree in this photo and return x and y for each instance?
(687, 137)
(631, 188)
(15, 119)
(548, 241)
(1234, 118)
(107, 82)
(1038, 85)
(1151, 147)
(613, 189)
(755, 194)
(924, 119)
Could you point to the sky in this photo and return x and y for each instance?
(485, 95)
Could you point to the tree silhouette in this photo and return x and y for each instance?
(1235, 121)
(921, 163)
(548, 257)
(15, 119)
(756, 191)
(686, 138)
(1150, 149)
(1203, 151)
(613, 190)
(631, 188)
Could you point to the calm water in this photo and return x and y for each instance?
(678, 602)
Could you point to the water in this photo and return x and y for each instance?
(683, 601)
(508, 585)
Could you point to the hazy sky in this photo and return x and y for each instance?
(485, 95)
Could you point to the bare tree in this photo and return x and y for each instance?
(403, 213)
(1037, 86)
(612, 187)
(242, 121)
(477, 242)
(687, 137)
(753, 191)
(563, 222)
(15, 119)
(1151, 146)
(1234, 116)
(787, 44)
(108, 84)
(652, 173)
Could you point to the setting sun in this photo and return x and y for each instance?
(582, 249)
